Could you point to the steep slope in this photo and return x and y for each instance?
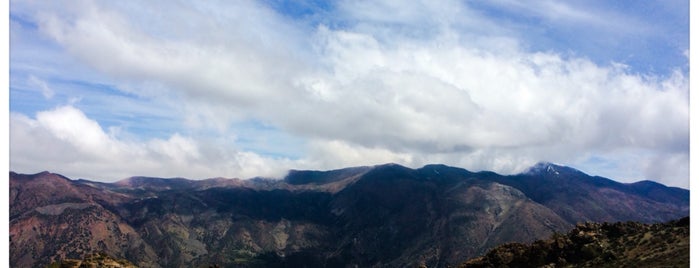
(381, 216)
(28, 192)
(54, 218)
(437, 214)
(621, 244)
(230, 225)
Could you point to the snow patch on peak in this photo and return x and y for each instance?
(552, 169)
(543, 167)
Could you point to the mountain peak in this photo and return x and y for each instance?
(543, 167)
(549, 168)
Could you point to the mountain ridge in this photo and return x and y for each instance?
(434, 215)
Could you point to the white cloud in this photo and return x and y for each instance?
(66, 141)
(334, 154)
(46, 91)
(580, 15)
(381, 88)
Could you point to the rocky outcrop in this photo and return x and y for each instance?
(95, 260)
(621, 244)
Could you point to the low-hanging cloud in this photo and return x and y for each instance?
(380, 88)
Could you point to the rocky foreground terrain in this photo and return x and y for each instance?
(621, 244)
(99, 259)
(380, 216)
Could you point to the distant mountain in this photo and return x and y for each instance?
(578, 197)
(621, 244)
(380, 216)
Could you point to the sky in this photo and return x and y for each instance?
(105, 90)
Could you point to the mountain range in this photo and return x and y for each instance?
(379, 216)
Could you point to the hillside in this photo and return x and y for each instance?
(380, 216)
(93, 260)
(622, 244)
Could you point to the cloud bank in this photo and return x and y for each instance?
(379, 81)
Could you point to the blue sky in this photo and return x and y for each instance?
(105, 90)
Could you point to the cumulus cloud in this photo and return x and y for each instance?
(65, 140)
(411, 83)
